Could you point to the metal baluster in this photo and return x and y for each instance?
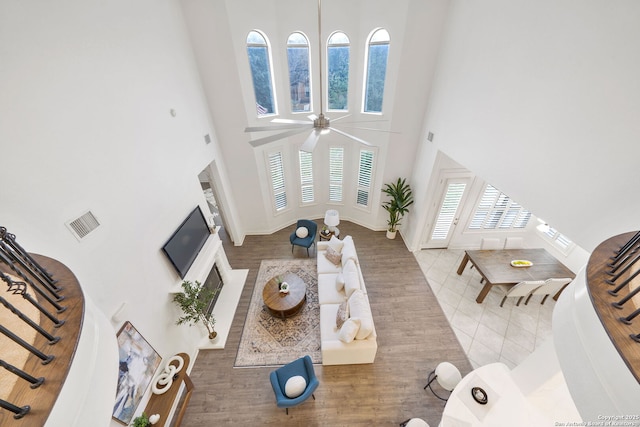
(35, 382)
(21, 288)
(627, 320)
(624, 270)
(45, 359)
(623, 301)
(11, 240)
(618, 288)
(616, 265)
(26, 319)
(6, 260)
(18, 411)
(625, 247)
(11, 255)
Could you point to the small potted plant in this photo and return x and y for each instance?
(141, 421)
(398, 204)
(193, 302)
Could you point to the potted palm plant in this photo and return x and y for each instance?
(193, 302)
(398, 204)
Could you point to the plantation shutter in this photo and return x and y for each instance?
(497, 210)
(336, 168)
(365, 172)
(306, 176)
(276, 168)
(448, 210)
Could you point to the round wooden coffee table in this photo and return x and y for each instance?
(284, 305)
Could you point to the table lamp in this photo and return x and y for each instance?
(331, 220)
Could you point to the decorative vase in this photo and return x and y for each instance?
(391, 234)
(213, 335)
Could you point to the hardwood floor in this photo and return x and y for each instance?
(413, 337)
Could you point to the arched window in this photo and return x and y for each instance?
(260, 63)
(338, 71)
(377, 54)
(298, 58)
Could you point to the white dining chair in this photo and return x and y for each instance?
(520, 290)
(551, 287)
(514, 243)
(491, 243)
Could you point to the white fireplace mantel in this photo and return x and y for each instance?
(213, 253)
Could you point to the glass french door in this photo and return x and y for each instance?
(448, 214)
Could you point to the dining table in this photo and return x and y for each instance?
(496, 269)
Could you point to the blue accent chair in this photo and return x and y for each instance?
(305, 242)
(279, 377)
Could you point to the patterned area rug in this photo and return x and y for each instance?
(271, 341)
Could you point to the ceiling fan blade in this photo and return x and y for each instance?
(340, 118)
(267, 139)
(373, 129)
(355, 138)
(310, 143)
(275, 127)
(291, 122)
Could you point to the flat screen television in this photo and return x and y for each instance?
(183, 246)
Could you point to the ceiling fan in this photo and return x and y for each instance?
(319, 125)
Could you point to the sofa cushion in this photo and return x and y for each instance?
(348, 250)
(351, 277)
(359, 308)
(295, 386)
(302, 232)
(339, 282)
(333, 256)
(327, 292)
(349, 330)
(342, 315)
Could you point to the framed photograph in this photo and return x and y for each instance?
(138, 362)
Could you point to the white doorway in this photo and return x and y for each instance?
(451, 194)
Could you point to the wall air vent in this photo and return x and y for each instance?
(83, 225)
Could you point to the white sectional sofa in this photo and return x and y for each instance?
(341, 289)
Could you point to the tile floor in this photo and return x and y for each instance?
(487, 332)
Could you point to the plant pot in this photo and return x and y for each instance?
(391, 234)
(213, 335)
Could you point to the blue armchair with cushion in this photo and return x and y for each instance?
(302, 367)
(304, 234)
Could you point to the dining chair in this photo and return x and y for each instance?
(491, 243)
(551, 287)
(520, 290)
(514, 243)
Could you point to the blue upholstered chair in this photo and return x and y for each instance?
(279, 377)
(309, 239)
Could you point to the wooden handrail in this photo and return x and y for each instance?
(43, 398)
(600, 272)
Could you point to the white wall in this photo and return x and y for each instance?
(541, 99)
(87, 88)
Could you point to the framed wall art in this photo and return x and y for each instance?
(138, 362)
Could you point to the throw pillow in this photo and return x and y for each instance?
(336, 244)
(302, 232)
(333, 256)
(359, 307)
(295, 386)
(342, 315)
(349, 330)
(339, 282)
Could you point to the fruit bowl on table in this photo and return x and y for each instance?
(521, 263)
